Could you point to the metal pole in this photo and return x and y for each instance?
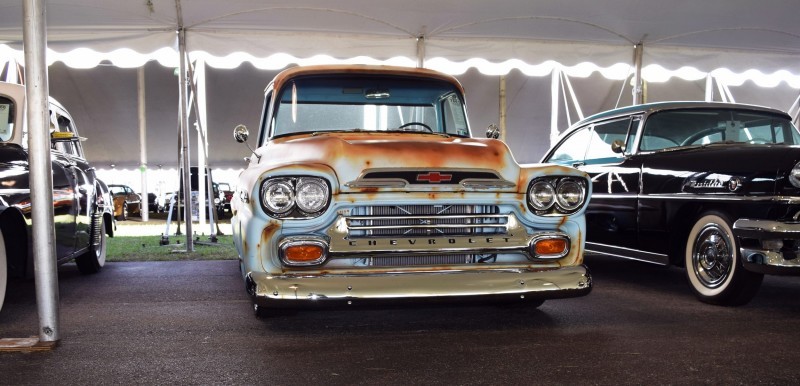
(41, 170)
(554, 84)
(197, 86)
(421, 51)
(638, 52)
(503, 108)
(145, 207)
(187, 187)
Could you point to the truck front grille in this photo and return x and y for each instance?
(426, 220)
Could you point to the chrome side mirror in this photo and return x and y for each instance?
(617, 146)
(493, 131)
(240, 133)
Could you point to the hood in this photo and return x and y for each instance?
(359, 159)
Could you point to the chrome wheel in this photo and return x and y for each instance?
(713, 256)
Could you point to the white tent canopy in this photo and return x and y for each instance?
(734, 34)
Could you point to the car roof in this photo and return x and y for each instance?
(293, 72)
(673, 105)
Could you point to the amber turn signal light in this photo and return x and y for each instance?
(303, 253)
(555, 246)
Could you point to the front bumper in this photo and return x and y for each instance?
(759, 251)
(317, 290)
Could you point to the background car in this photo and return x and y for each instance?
(712, 187)
(126, 201)
(367, 187)
(227, 195)
(153, 203)
(81, 222)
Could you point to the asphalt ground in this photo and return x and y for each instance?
(190, 322)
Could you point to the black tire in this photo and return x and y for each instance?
(95, 258)
(3, 270)
(713, 266)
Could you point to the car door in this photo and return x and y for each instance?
(66, 205)
(611, 216)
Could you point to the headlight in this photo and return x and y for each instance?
(312, 194)
(295, 197)
(570, 195)
(541, 195)
(794, 175)
(555, 195)
(278, 195)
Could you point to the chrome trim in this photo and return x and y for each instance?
(706, 196)
(302, 240)
(515, 240)
(627, 253)
(316, 289)
(481, 183)
(771, 259)
(769, 228)
(427, 222)
(377, 183)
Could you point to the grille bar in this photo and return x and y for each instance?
(410, 220)
(406, 261)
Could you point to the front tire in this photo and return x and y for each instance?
(95, 258)
(3, 270)
(124, 214)
(713, 265)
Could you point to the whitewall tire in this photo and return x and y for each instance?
(713, 266)
(3, 270)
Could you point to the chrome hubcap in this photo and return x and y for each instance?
(712, 257)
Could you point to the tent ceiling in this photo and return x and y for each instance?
(711, 34)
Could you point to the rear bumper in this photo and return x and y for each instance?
(758, 255)
(297, 291)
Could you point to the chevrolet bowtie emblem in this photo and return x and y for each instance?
(434, 177)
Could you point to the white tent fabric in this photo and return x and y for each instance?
(734, 34)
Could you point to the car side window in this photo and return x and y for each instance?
(603, 135)
(6, 119)
(573, 148)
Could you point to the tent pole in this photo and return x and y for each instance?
(503, 108)
(41, 170)
(421, 51)
(554, 105)
(187, 187)
(638, 53)
(144, 208)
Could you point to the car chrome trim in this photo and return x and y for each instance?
(627, 253)
(311, 289)
(706, 196)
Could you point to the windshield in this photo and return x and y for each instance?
(6, 119)
(369, 103)
(692, 127)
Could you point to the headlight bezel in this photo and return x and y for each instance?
(560, 205)
(294, 210)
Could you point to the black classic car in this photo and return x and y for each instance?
(712, 187)
(80, 209)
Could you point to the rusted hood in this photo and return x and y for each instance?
(350, 155)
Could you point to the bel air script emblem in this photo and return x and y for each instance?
(434, 177)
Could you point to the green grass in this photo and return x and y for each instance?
(135, 240)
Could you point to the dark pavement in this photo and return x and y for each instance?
(190, 322)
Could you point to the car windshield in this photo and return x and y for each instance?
(6, 119)
(116, 189)
(369, 103)
(693, 127)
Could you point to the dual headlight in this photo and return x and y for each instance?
(556, 195)
(300, 197)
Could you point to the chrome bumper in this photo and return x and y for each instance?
(387, 288)
(763, 257)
